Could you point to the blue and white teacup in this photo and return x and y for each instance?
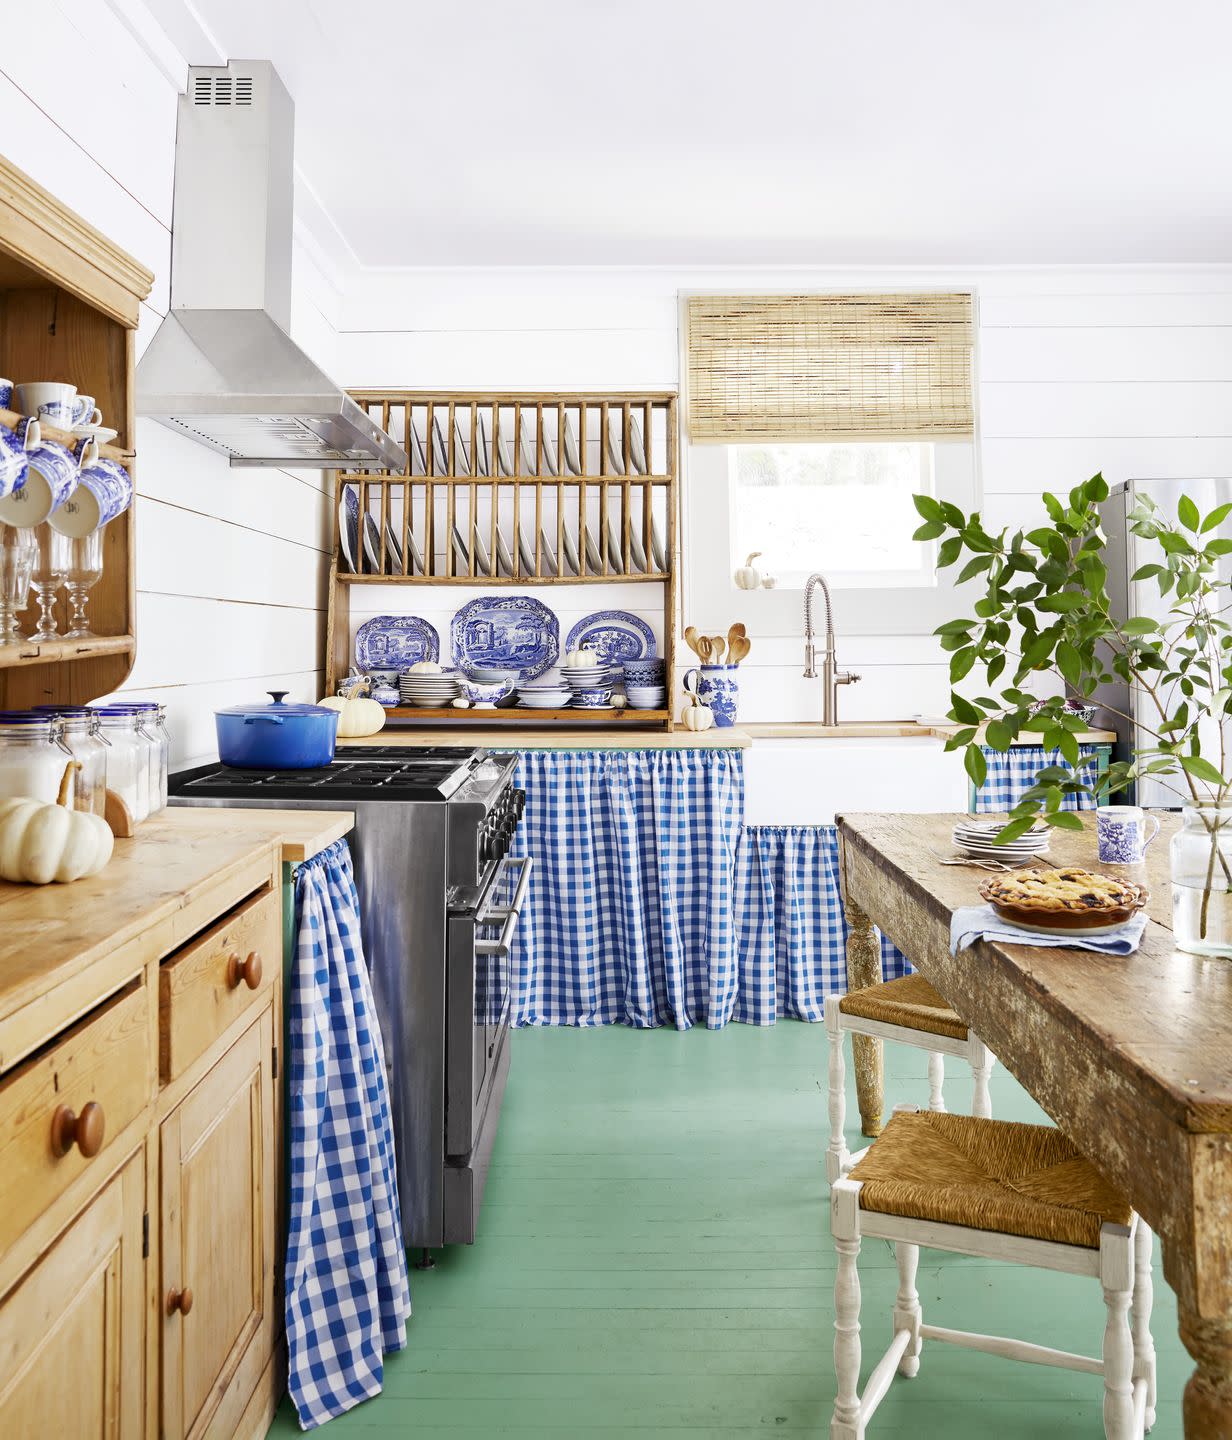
(1124, 833)
(104, 490)
(718, 689)
(51, 401)
(6, 394)
(15, 447)
(85, 411)
(51, 478)
(592, 699)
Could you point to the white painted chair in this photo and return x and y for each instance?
(991, 1188)
(907, 1011)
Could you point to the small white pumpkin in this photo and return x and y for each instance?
(425, 667)
(40, 842)
(748, 577)
(583, 655)
(357, 714)
(462, 703)
(619, 702)
(696, 716)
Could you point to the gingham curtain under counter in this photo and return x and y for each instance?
(347, 1293)
(1012, 771)
(791, 932)
(630, 916)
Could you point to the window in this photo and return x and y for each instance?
(841, 508)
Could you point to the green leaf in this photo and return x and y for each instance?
(1063, 603)
(963, 711)
(1174, 544)
(1217, 517)
(1201, 769)
(949, 551)
(1096, 489)
(953, 627)
(1014, 829)
(1063, 820)
(976, 766)
(998, 735)
(973, 567)
(929, 508)
(1069, 662)
(1187, 513)
(930, 530)
(1140, 625)
(1219, 547)
(961, 663)
(1144, 572)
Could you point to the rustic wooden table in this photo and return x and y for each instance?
(1131, 1057)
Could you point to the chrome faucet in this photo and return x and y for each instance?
(831, 677)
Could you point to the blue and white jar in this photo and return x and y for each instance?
(718, 689)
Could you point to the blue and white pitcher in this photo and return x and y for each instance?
(718, 689)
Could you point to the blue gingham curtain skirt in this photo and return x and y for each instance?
(652, 904)
(347, 1294)
(1012, 771)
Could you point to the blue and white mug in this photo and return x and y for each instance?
(718, 689)
(51, 478)
(15, 447)
(104, 490)
(6, 394)
(51, 401)
(1123, 834)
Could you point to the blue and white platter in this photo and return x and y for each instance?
(516, 632)
(348, 528)
(395, 642)
(615, 634)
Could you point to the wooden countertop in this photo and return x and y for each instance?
(54, 935)
(885, 730)
(513, 737)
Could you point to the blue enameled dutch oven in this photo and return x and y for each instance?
(277, 736)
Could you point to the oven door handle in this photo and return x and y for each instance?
(509, 914)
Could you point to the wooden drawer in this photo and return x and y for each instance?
(61, 1110)
(210, 983)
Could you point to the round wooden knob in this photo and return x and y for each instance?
(85, 1130)
(180, 1300)
(247, 972)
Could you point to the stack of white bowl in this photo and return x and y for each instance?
(548, 692)
(646, 697)
(975, 838)
(426, 690)
(591, 677)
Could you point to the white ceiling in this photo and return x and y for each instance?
(626, 132)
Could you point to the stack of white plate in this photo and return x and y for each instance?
(548, 692)
(428, 691)
(590, 677)
(975, 838)
(646, 697)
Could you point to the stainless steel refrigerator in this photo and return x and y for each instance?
(1124, 556)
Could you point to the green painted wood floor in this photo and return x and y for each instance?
(654, 1261)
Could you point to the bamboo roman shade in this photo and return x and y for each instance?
(767, 368)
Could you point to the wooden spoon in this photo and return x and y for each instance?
(717, 646)
(737, 630)
(690, 639)
(740, 648)
(703, 649)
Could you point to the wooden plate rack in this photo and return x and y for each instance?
(503, 489)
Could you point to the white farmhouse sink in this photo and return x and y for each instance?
(808, 781)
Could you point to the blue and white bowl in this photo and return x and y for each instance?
(488, 675)
(645, 672)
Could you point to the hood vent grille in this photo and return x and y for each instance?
(222, 90)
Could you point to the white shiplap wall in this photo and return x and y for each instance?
(230, 563)
(1128, 370)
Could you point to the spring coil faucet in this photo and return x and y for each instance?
(831, 676)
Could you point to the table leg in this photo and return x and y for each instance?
(864, 968)
(1208, 1396)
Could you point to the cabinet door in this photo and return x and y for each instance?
(218, 1241)
(71, 1348)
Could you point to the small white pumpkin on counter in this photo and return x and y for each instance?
(748, 577)
(358, 715)
(696, 716)
(425, 667)
(583, 655)
(40, 842)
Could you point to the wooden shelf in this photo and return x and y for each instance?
(614, 578)
(11, 418)
(47, 652)
(525, 715)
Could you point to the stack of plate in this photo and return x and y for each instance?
(975, 838)
(591, 677)
(428, 691)
(548, 692)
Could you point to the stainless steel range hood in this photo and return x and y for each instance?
(222, 368)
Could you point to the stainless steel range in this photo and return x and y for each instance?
(439, 900)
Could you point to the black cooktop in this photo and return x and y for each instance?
(360, 772)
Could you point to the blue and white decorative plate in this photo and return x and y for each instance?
(615, 634)
(395, 642)
(348, 528)
(516, 632)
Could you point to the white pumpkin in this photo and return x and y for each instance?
(425, 667)
(696, 716)
(748, 577)
(583, 655)
(462, 703)
(40, 842)
(619, 702)
(357, 714)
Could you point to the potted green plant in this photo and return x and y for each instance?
(1044, 607)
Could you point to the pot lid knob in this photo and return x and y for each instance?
(278, 696)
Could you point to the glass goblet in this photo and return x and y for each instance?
(50, 567)
(85, 567)
(18, 549)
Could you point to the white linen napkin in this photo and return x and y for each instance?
(974, 922)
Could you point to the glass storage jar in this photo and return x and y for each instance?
(81, 735)
(130, 759)
(1201, 856)
(32, 755)
(154, 724)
